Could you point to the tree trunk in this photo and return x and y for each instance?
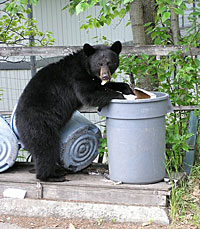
(149, 7)
(175, 26)
(136, 15)
(142, 12)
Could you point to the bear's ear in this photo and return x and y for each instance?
(88, 49)
(116, 47)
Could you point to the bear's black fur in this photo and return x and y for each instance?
(55, 92)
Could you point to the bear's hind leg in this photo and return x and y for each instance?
(46, 169)
(46, 155)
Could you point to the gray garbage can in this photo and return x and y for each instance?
(8, 145)
(80, 143)
(136, 139)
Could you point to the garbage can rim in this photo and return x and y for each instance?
(160, 97)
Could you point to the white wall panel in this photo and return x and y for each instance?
(66, 28)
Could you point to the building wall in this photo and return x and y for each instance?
(66, 31)
(66, 28)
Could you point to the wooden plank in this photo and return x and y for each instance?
(88, 194)
(86, 188)
(86, 109)
(83, 109)
(20, 173)
(66, 50)
(15, 66)
(185, 108)
(104, 195)
(26, 65)
(157, 50)
(38, 51)
(30, 188)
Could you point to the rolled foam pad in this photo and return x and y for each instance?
(8, 145)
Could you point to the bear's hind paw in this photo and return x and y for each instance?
(56, 179)
(53, 179)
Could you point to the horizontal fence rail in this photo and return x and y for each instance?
(152, 50)
(185, 108)
(86, 109)
(58, 51)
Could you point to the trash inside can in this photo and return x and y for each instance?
(80, 141)
(136, 139)
(8, 145)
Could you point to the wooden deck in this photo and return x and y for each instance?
(89, 186)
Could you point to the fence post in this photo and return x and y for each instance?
(190, 155)
(31, 42)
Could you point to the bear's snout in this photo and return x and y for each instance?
(105, 73)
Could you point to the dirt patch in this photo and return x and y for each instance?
(43, 223)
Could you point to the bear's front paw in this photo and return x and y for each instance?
(119, 96)
(127, 90)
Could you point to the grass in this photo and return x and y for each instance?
(185, 200)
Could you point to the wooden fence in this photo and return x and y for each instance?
(153, 50)
(55, 51)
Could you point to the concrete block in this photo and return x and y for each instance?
(63, 209)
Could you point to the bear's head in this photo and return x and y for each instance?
(102, 60)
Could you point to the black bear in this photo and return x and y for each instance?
(55, 92)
